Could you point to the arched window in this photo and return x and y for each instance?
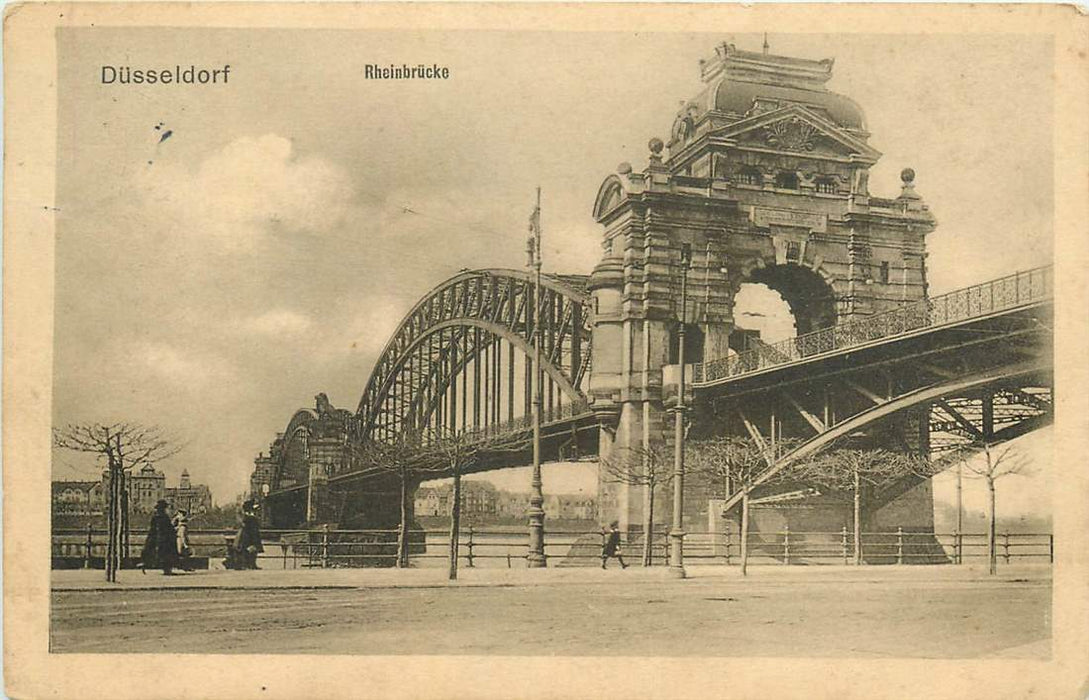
(786, 180)
(748, 175)
(825, 185)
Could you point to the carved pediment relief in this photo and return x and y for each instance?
(796, 129)
(792, 134)
(795, 136)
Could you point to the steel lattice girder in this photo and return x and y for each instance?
(499, 303)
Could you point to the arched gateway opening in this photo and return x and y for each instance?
(777, 302)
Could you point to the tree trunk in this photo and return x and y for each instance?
(111, 523)
(745, 531)
(858, 520)
(648, 525)
(455, 525)
(124, 521)
(992, 550)
(117, 487)
(402, 535)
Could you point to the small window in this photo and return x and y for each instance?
(884, 272)
(826, 185)
(786, 180)
(749, 175)
(794, 251)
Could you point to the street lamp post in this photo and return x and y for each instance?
(676, 550)
(535, 558)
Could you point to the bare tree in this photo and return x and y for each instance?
(403, 458)
(980, 460)
(858, 472)
(736, 462)
(121, 447)
(650, 468)
(455, 452)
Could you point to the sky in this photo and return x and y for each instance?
(213, 282)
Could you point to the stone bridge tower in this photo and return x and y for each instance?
(765, 175)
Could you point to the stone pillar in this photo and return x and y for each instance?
(317, 496)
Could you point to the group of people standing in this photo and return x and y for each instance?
(167, 544)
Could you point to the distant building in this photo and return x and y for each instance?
(430, 502)
(482, 499)
(264, 467)
(195, 499)
(512, 505)
(78, 497)
(477, 498)
(570, 507)
(145, 488)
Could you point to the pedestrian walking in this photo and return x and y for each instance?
(248, 541)
(181, 529)
(160, 547)
(611, 548)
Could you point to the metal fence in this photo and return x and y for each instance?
(507, 547)
(997, 295)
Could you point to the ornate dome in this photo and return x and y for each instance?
(741, 84)
(737, 97)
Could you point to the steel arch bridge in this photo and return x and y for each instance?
(969, 365)
(458, 361)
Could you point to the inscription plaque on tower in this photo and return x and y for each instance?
(768, 216)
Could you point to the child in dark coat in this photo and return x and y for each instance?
(611, 548)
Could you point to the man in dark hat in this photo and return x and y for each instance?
(248, 541)
(160, 548)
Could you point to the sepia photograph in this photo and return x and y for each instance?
(450, 341)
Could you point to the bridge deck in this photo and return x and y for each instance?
(1001, 298)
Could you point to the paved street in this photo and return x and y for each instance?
(936, 612)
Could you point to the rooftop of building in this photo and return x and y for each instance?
(82, 485)
(742, 82)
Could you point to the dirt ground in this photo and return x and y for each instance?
(609, 614)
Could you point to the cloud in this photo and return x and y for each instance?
(179, 368)
(240, 194)
(278, 322)
(370, 328)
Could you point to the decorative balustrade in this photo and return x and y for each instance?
(990, 297)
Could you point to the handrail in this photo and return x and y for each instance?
(1011, 291)
(326, 548)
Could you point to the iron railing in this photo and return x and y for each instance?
(508, 547)
(563, 411)
(1002, 294)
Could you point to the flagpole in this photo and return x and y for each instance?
(535, 558)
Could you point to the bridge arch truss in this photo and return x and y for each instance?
(459, 359)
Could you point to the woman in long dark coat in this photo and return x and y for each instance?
(248, 539)
(160, 548)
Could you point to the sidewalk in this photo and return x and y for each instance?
(94, 580)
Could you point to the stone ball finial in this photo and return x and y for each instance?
(907, 175)
(624, 168)
(655, 145)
